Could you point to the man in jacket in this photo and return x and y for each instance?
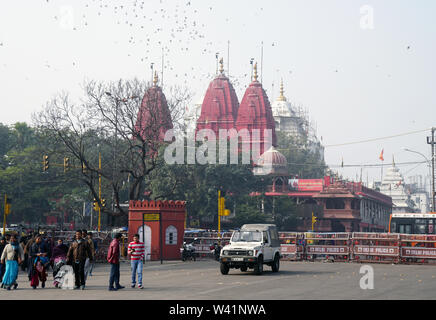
(77, 254)
(113, 257)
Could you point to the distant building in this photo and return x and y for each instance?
(418, 194)
(393, 186)
(294, 122)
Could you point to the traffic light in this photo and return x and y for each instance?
(45, 163)
(103, 202)
(66, 164)
(222, 205)
(8, 206)
(313, 220)
(95, 205)
(84, 169)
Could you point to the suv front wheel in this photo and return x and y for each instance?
(258, 268)
(224, 268)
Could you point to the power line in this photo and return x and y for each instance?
(377, 139)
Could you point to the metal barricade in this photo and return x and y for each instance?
(205, 240)
(375, 247)
(291, 245)
(331, 246)
(418, 248)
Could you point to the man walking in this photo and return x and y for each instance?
(137, 253)
(113, 257)
(91, 246)
(77, 254)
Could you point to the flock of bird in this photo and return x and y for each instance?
(157, 30)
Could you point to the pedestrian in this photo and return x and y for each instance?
(58, 259)
(77, 253)
(12, 256)
(113, 257)
(93, 244)
(23, 245)
(2, 265)
(136, 250)
(27, 260)
(38, 263)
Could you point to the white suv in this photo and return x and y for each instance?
(252, 247)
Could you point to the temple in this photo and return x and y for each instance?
(220, 105)
(255, 113)
(154, 117)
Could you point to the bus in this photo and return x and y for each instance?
(413, 223)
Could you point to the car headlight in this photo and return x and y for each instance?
(225, 252)
(251, 253)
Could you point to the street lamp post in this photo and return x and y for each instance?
(430, 175)
(432, 142)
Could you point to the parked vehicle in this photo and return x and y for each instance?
(188, 251)
(252, 247)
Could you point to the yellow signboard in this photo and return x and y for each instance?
(151, 216)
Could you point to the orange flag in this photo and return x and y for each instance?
(381, 156)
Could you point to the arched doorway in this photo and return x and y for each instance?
(147, 242)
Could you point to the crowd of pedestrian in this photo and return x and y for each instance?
(36, 253)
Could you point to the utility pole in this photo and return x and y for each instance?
(432, 142)
(5, 214)
(99, 191)
(219, 214)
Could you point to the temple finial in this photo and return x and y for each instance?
(156, 79)
(255, 72)
(221, 66)
(282, 91)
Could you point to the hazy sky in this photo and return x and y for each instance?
(363, 69)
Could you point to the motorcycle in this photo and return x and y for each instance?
(188, 251)
(216, 250)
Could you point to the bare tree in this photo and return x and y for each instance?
(124, 121)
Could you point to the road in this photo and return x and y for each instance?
(202, 280)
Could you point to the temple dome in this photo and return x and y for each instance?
(272, 162)
(154, 116)
(255, 113)
(220, 105)
(281, 107)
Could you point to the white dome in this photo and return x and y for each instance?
(282, 108)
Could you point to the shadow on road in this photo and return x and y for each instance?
(267, 273)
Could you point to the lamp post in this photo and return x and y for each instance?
(430, 175)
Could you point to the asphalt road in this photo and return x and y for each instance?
(202, 280)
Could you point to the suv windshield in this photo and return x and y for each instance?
(247, 236)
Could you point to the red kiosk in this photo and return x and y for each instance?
(161, 224)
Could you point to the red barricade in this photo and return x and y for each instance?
(328, 246)
(291, 245)
(375, 247)
(204, 241)
(418, 248)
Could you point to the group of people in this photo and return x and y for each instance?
(37, 254)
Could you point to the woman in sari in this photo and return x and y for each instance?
(39, 262)
(12, 255)
(58, 258)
